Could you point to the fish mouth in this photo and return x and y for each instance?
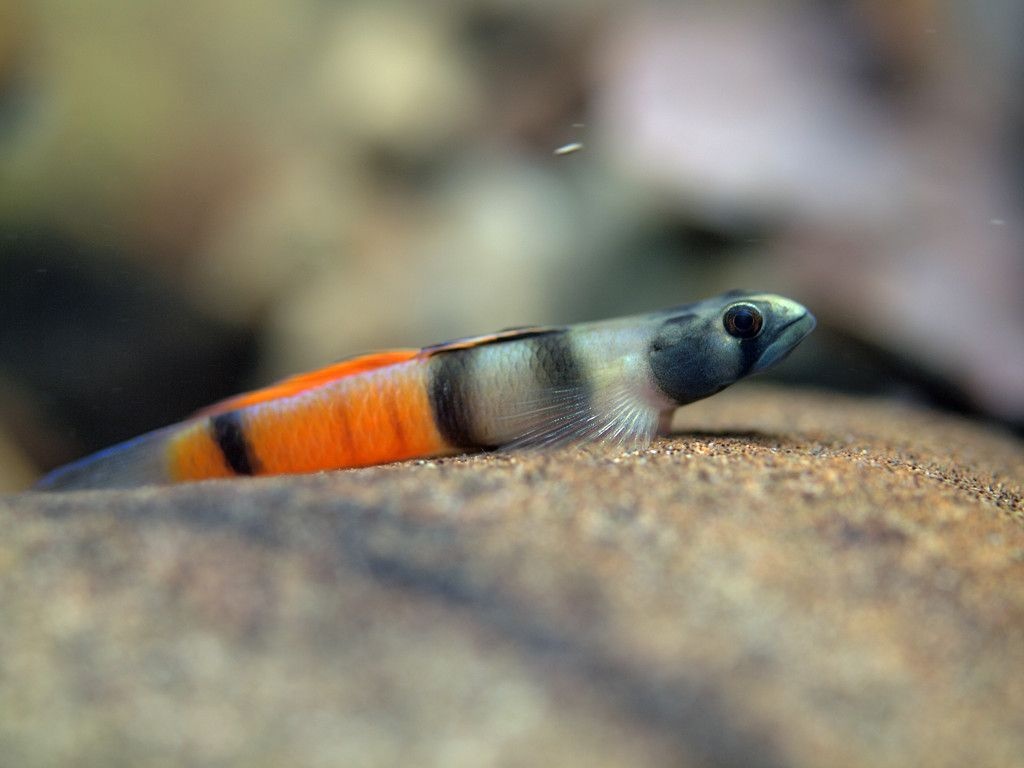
(786, 340)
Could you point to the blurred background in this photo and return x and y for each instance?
(197, 198)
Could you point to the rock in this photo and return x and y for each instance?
(806, 580)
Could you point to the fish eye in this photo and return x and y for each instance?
(743, 321)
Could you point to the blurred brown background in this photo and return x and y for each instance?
(197, 198)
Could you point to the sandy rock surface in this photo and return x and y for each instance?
(795, 579)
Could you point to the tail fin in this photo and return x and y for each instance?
(140, 461)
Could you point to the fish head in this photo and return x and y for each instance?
(699, 349)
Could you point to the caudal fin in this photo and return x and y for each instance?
(140, 461)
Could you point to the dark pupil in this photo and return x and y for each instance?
(743, 320)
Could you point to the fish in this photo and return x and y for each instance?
(613, 381)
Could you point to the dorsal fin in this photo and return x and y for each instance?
(509, 334)
(301, 382)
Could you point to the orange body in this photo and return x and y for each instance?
(342, 416)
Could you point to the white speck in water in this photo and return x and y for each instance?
(996, 222)
(568, 149)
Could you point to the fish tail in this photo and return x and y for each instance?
(140, 461)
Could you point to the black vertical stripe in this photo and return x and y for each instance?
(552, 362)
(230, 436)
(450, 374)
(750, 353)
(555, 362)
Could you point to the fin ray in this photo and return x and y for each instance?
(615, 416)
(510, 334)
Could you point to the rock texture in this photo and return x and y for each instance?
(795, 579)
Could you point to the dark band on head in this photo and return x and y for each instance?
(229, 434)
(449, 397)
(750, 353)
